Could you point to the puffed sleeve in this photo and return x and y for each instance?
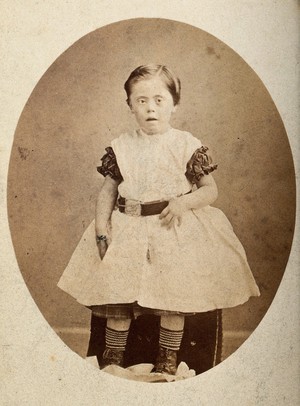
(109, 165)
(199, 165)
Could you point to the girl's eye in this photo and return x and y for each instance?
(142, 101)
(159, 100)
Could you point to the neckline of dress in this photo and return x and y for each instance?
(142, 133)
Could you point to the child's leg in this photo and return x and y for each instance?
(118, 324)
(171, 331)
(116, 334)
(174, 322)
(170, 336)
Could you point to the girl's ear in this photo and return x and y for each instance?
(128, 103)
(174, 108)
(130, 106)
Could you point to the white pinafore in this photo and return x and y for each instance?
(195, 267)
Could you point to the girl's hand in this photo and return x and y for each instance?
(173, 213)
(102, 248)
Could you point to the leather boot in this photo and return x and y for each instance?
(166, 361)
(112, 356)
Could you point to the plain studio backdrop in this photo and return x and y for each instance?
(79, 106)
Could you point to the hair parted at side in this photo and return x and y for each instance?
(143, 72)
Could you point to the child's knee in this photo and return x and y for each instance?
(172, 322)
(118, 324)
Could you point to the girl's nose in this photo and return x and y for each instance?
(151, 106)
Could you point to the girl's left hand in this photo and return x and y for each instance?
(102, 248)
(173, 213)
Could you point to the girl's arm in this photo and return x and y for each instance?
(105, 204)
(206, 194)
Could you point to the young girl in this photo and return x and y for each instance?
(163, 249)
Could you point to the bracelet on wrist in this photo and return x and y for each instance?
(100, 238)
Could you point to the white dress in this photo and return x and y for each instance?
(195, 267)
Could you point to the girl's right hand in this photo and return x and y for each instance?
(102, 248)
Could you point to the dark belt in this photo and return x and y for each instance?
(135, 208)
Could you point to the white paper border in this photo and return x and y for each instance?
(35, 366)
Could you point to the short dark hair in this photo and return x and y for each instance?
(146, 71)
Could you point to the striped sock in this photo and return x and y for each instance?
(116, 339)
(170, 339)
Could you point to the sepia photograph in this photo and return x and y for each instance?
(151, 201)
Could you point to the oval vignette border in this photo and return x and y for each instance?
(71, 116)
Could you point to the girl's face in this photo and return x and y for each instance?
(152, 104)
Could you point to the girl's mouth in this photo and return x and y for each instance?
(151, 119)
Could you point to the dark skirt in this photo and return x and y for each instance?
(130, 311)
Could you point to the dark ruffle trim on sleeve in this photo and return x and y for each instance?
(199, 165)
(109, 165)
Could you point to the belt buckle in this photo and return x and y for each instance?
(133, 207)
